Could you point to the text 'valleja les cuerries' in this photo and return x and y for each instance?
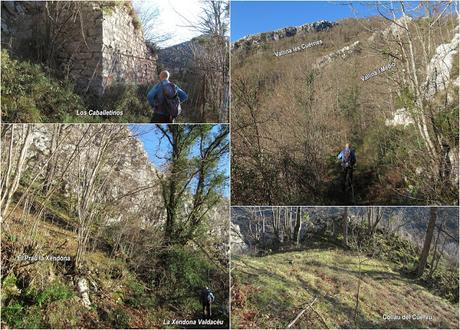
(297, 48)
(378, 71)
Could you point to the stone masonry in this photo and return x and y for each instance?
(98, 45)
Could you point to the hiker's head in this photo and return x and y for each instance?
(164, 75)
(347, 146)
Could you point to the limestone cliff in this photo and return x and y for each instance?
(286, 32)
(133, 186)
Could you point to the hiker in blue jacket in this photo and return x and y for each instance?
(165, 109)
(348, 160)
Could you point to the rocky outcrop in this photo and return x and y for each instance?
(133, 186)
(83, 290)
(177, 59)
(238, 245)
(287, 32)
(400, 118)
(440, 67)
(342, 53)
(97, 44)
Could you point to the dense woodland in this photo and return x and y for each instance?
(36, 86)
(356, 250)
(292, 114)
(140, 242)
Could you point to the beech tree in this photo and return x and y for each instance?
(298, 226)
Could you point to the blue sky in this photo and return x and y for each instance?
(250, 17)
(158, 149)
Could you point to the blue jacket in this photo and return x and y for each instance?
(157, 89)
(341, 156)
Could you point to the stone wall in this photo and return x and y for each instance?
(125, 56)
(96, 44)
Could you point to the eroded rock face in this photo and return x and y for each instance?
(440, 66)
(177, 59)
(287, 32)
(342, 53)
(238, 245)
(400, 118)
(98, 45)
(132, 180)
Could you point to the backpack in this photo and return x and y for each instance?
(170, 105)
(207, 296)
(210, 297)
(347, 156)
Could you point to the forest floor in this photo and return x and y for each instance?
(270, 291)
(118, 297)
(367, 187)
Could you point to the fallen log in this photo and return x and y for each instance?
(301, 313)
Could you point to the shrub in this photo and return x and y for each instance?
(127, 98)
(9, 288)
(28, 95)
(185, 271)
(55, 291)
(18, 316)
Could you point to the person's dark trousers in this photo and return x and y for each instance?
(160, 118)
(348, 169)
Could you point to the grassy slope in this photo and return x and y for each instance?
(120, 301)
(270, 291)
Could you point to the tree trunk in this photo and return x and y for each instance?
(427, 243)
(298, 227)
(345, 226)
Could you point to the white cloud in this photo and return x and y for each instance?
(175, 18)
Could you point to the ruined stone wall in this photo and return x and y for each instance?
(125, 56)
(96, 44)
(81, 55)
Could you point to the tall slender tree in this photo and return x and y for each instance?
(193, 181)
(427, 243)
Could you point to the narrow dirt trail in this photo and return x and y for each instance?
(366, 187)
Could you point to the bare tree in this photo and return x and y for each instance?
(298, 226)
(150, 16)
(11, 174)
(345, 225)
(414, 46)
(427, 242)
(93, 169)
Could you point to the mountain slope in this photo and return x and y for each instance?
(270, 291)
(298, 99)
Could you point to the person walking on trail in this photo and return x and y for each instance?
(165, 98)
(348, 160)
(206, 298)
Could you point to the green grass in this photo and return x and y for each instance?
(270, 291)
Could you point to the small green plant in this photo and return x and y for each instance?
(9, 288)
(55, 291)
(18, 316)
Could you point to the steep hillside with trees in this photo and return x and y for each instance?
(388, 85)
(95, 236)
